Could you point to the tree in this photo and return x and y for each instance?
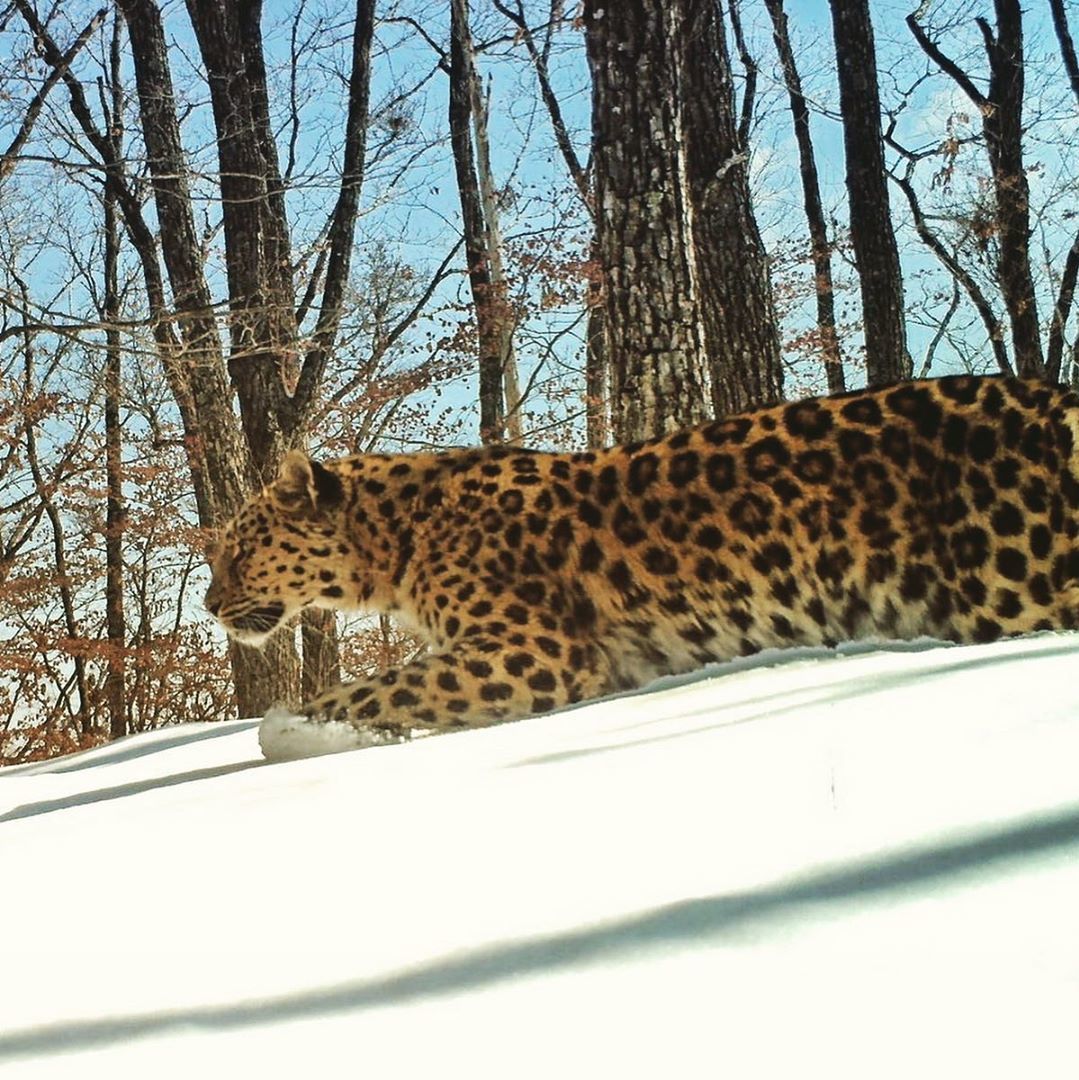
(686, 278)
(275, 401)
(1066, 291)
(872, 237)
(482, 236)
(644, 234)
(741, 333)
(597, 359)
(1001, 110)
(811, 198)
(116, 627)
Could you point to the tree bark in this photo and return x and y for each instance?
(741, 332)
(262, 322)
(645, 241)
(811, 197)
(872, 237)
(501, 309)
(115, 513)
(321, 655)
(1004, 140)
(597, 360)
(485, 298)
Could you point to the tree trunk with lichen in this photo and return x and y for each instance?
(741, 331)
(644, 235)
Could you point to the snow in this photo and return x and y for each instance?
(286, 736)
(807, 864)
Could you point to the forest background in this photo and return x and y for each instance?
(229, 228)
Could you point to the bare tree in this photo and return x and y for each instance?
(872, 236)
(1001, 110)
(493, 328)
(949, 258)
(116, 627)
(46, 494)
(275, 388)
(811, 198)
(597, 360)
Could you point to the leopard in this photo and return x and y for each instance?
(945, 508)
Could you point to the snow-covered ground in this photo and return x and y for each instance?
(801, 866)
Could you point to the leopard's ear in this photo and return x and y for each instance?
(304, 486)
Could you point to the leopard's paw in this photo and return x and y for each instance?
(286, 736)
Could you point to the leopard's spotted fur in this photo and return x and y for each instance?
(944, 507)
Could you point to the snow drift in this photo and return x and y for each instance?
(807, 864)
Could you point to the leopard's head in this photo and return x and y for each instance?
(278, 555)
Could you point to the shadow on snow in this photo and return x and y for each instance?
(122, 791)
(690, 923)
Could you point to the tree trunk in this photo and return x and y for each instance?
(872, 237)
(818, 229)
(262, 324)
(199, 371)
(264, 359)
(645, 242)
(1066, 291)
(272, 675)
(500, 307)
(596, 360)
(321, 655)
(1004, 141)
(741, 333)
(115, 514)
(484, 294)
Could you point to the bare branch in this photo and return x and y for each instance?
(1054, 352)
(343, 223)
(749, 64)
(578, 173)
(1067, 46)
(443, 59)
(994, 329)
(59, 70)
(947, 65)
(942, 329)
(383, 344)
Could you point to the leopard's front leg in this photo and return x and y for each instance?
(477, 682)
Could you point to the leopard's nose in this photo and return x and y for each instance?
(213, 604)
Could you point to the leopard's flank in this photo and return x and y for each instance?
(945, 507)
